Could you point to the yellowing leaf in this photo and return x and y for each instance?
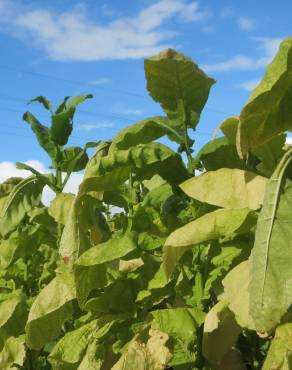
(213, 225)
(228, 188)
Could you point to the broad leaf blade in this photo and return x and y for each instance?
(228, 188)
(178, 85)
(271, 258)
(268, 111)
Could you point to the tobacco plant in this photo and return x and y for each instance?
(164, 259)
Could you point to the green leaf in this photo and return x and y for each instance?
(211, 226)
(62, 126)
(179, 86)
(219, 153)
(267, 112)
(7, 186)
(74, 102)
(74, 159)
(90, 268)
(13, 353)
(81, 222)
(145, 160)
(232, 361)
(13, 315)
(236, 292)
(280, 353)
(228, 188)
(220, 333)
(24, 196)
(62, 105)
(181, 325)
(271, 258)
(70, 350)
(49, 311)
(44, 101)
(141, 132)
(229, 128)
(60, 207)
(42, 134)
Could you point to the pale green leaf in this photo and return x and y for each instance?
(60, 207)
(49, 311)
(211, 226)
(12, 353)
(228, 188)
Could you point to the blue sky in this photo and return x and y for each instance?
(58, 48)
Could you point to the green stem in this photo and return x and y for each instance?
(130, 204)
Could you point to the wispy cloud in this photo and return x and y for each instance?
(249, 85)
(94, 126)
(246, 23)
(74, 36)
(101, 81)
(268, 47)
(128, 111)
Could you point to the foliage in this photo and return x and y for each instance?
(191, 269)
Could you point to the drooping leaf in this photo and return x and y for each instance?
(42, 134)
(90, 268)
(236, 292)
(219, 153)
(44, 101)
(60, 207)
(69, 351)
(13, 353)
(220, 333)
(228, 188)
(141, 132)
(62, 126)
(74, 159)
(271, 257)
(7, 186)
(179, 86)
(213, 225)
(49, 311)
(267, 112)
(24, 196)
(280, 353)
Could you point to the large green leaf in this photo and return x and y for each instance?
(69, 351)
(44, 101)
(24, 196)
(90, 268)
(280, 353)
(13, 315)
(60, 207)
(236, 292)
(142, 132)
(49, 311)
(268, 111)
(179, 86)
(110, 171)
(7, 186)
(82, 222)
(228, 188)
(13, 353)
(62, 126)
(181, 325)
(271, 258)
(42, 134)
(213, 225)
(219, 153)
(220, 333)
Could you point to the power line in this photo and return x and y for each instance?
(92, 86)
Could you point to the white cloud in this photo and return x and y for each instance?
(101, 81)
(269, 47)
(246, 23)
(94, 126)
(8, 169)
(74, 36)
(249, 85)
(289, 140)
(129, 111)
